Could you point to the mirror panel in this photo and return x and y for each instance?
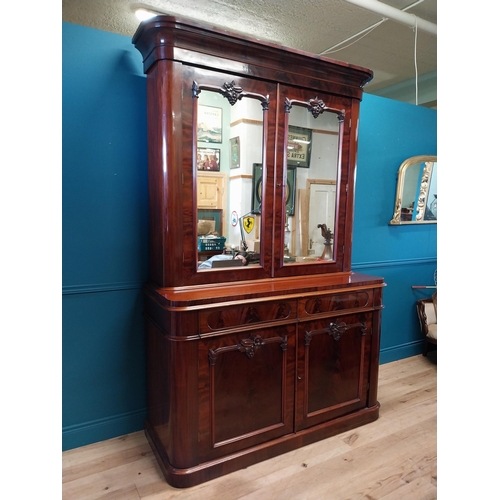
(311, 185)
(229, 145)
(416, 192)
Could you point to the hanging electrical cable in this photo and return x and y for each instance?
(395, 14)
(431, 28)
(331, 49)
(366, 31)
(415, 29)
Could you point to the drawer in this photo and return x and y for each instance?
(322, 304)
(224, 318)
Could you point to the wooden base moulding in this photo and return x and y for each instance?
(184, 478)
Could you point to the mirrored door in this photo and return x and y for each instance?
(230, 123)
(310, 175)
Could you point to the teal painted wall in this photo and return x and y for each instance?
(105, 236)
(105, 230)
(390, 132)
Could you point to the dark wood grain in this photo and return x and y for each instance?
(168, 37)
(177, 55)
(247, 363)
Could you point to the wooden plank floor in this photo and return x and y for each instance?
(393, 458)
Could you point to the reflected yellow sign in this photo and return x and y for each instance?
(248, 223)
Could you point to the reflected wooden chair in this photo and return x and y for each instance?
(427, 317)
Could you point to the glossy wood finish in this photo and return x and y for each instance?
(190, 274)
(234, 381)
(393, 458)
(345, 177)
(178, 54)
(169, 38)
(248, 363)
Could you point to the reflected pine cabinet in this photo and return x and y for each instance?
(257, 354)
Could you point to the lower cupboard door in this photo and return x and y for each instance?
(333, 360)
(246, 388)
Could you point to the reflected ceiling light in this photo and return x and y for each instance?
(143, 14)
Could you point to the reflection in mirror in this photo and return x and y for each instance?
(416, 192)
(312, 158)
(228, 222)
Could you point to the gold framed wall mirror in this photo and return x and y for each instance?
(416, 192)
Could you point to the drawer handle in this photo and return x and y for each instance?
(336, 329)
(248, 346)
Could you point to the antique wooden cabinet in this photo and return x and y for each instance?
(248, 362)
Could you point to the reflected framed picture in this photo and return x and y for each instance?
(208, 159)
(213, 217)
(209, 124)
(299, 147)
(235, 152)
(257, 188)
(291, 176)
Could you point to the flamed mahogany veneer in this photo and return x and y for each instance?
(246, 363)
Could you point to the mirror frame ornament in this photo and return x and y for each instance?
(429, 161)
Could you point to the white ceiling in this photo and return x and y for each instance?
(309, 25)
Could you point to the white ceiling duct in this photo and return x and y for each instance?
(396, 14)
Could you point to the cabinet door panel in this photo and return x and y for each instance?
(333, 362)
(216, 109)
(316, 133)
(211, 191)
(246, 386)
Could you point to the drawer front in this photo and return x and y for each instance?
(229, 317)
(335, 302)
